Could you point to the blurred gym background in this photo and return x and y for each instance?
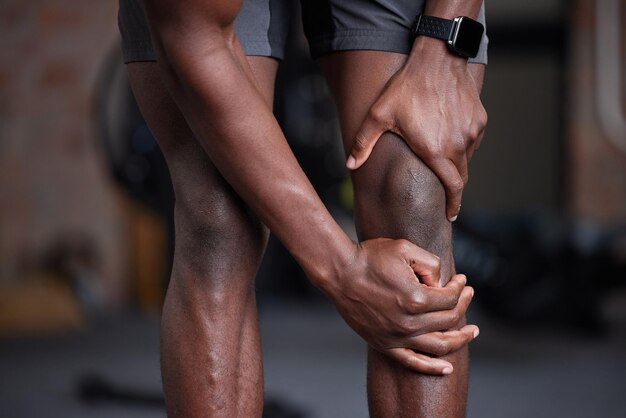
(86, 234)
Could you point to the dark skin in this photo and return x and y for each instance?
(443, 89)
(398, 196)
(431, 99)
(233, 172)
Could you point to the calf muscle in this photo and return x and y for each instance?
(209, 330)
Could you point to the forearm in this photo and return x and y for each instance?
(209, 81)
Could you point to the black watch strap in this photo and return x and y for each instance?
(435, 27)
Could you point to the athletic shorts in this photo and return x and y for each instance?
(329, 25)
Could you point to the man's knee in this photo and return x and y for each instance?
(398, 192)
(217, 237)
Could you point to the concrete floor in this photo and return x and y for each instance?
(315, 364)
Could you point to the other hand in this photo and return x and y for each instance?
(387, 294)
(433, 103)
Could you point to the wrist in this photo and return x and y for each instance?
(433, 53)
(327, 276)
(453, 23)
(325, 262)
(338, 271)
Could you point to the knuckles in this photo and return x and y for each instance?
(434, 149)
(360, 142)
(405, 327)
(456, 186)
(465, 178)
(418, 302)
(435, 264)
(376, 114)
(475, 130)
(455, 317)
(476, 124)
(405, 246)
(442, 347)
(376, 117)
(484, 117)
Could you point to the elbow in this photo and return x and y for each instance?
(221, 13)
(202, 28)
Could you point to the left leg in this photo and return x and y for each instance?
(396, 196)
(210, 345)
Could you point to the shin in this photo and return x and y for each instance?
(397, 196)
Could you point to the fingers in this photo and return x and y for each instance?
(364, 141)
(419, 362)
(437, 344)
(441, 320)
(425, 299)
(452, 181)
(461, 165)
(443, 343)
(426, 265)
(440, 298)
(475, 146)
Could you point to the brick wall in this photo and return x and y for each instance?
(53, 184)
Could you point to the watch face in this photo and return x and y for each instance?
(467, 37)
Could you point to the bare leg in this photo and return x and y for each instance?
(401, 198)
(396, 196)
(210, 346)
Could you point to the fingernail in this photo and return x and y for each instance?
(476, 332)
(454, 218)
(472, 292)
(351, 162)
(447, 370)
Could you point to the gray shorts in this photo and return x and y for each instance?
(329, 25)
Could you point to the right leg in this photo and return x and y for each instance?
(396, 196)
(210, 346)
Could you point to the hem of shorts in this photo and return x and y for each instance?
(141, 50)
(138, 51)
(367, 39)
(352, 40)
(360, 39)
(262, 46)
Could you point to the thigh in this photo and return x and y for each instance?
(202, 195)
(356, 78)
(396, 195)
(182, 151)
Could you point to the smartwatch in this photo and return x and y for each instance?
(462, 34)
